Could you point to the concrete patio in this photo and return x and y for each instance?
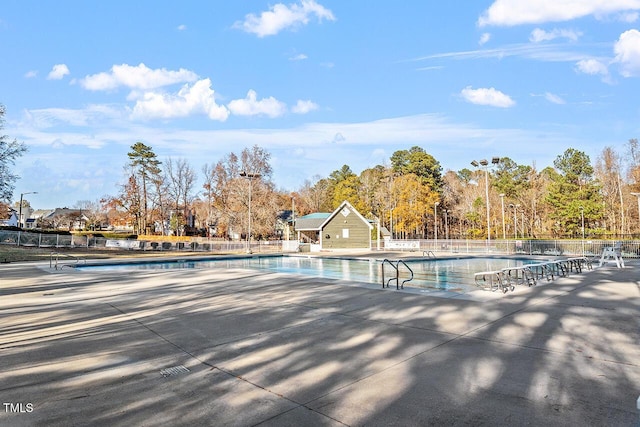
(242, 348)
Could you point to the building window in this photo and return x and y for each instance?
(345, 233)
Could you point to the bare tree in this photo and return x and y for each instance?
(608, 172)
(180, 181)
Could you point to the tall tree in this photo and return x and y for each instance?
(415, 204)
(127, 205)
(256, 191)
(343, 185)
(608, 171)
(180, 179)
(573, 193)
(418, 162)
(145, 162)
(9, 152)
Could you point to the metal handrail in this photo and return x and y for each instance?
(393, 278)
(428, 254)
(410, 270)
(396, 267)
(57, 255)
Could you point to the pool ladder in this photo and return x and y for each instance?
(395, 264)
(53, 260)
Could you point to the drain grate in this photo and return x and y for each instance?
(174, 370)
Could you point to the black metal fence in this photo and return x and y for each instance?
(630, 248)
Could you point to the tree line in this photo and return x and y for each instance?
(410, 196)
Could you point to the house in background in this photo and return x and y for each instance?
(9, 218)
(59, 218)
(344, 228)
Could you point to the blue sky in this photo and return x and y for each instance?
(317, 83)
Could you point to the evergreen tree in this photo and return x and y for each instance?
(144, 161)
(573, 193)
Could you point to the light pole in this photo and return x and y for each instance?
(446, 224)
(250, 177)
(485, 164)
(515, 220)
(20, 208)
(435, 223)
(638, 196)
(582, 216)
(504, 230)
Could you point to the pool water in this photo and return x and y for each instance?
(451, 274)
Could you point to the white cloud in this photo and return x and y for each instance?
(554, 99)
(194, 99)
(593, 67)
(549, 52)
(628, 17)
(137, 77)
(539, 35)
(487, 96)
(251, 106)
(517, 12)
(181, 27)
(627, 50)
(484, 38)
(30, 74)
(281, 17)
(304, 107)
(298, 57)
(58, 72)
(91, 115)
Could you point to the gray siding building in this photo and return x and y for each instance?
(344, 228)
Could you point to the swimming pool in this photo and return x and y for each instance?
(448, 274)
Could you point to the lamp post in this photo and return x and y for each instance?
(435, 224)
(582, 216)
(446, 224)
(504, 230)
(485, 164)
(250, 177)
(515, 220)
(638, 196)
(20, 208)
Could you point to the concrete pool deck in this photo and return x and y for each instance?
(240, 347)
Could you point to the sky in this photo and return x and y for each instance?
(317, 83)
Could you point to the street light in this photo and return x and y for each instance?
(435, 223)
(638, 196)
(515, 220)
(250, 177)
(485, 164)
(504, 230)
(20, 222)
(446, 223)
(582, 217)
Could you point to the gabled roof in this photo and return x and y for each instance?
(312, 221)
(8, 214)
(58, 212)
(342, 206)
(40, 213)
(317, 221)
